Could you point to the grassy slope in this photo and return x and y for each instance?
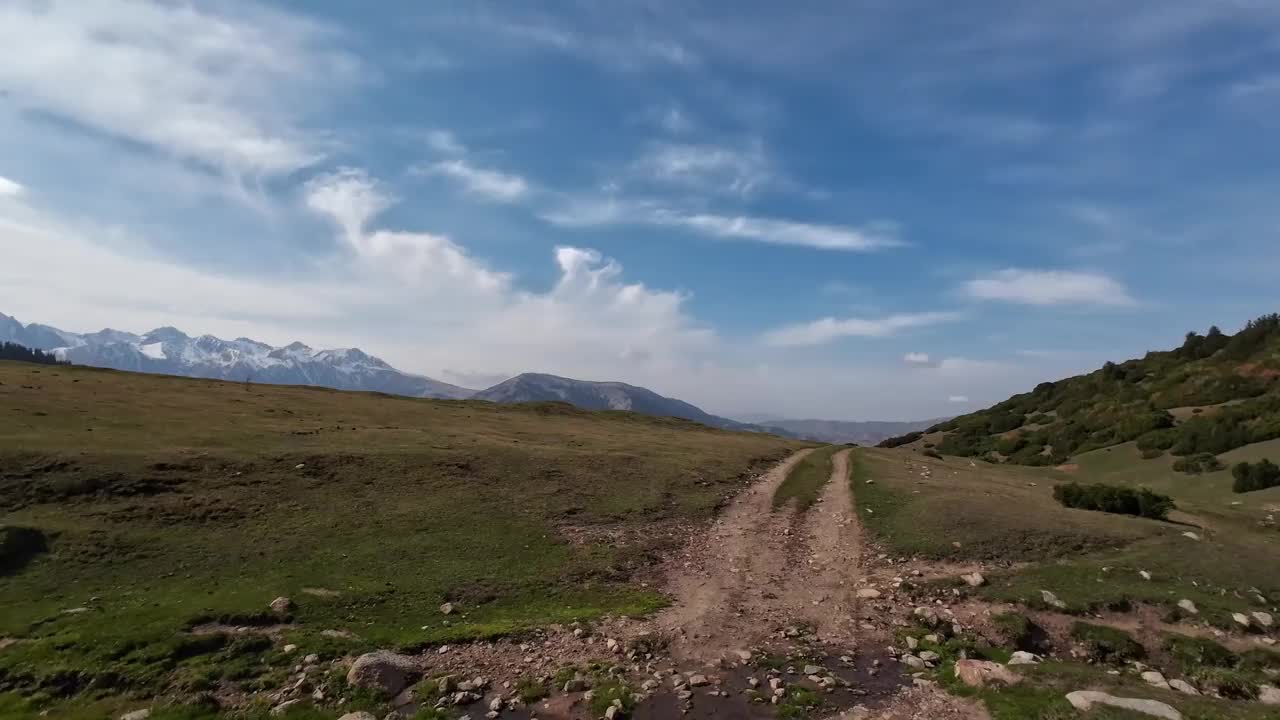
(996, 514)
(804, 483)
(172, 499)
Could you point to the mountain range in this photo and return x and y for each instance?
(170, 351)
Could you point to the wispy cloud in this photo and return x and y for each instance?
(919, 359)
(1049, 287)
(958, 399)
(828, 329)
(9, 188)
(710, 168)
(491, 184)
(445, 142)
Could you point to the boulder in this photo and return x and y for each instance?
(282, 606)
(929, 656)
(913, 662)
(868, 593)
(1023, 657)
(1242, 620)
(698, 680)
(1263, 619)
(1085, 700)
(142, 714)
(982, 673)
(1155, 679)
(1052, 600)
(446, 608)
(813, 669)
(382, 670)
(1184, 687)
(283, 707)
(362, 715)
(1269, 695)
(974, 579)
(1189, 606)
(1190, 535)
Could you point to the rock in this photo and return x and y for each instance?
(1263, 619)
(575, 685)
(1145, 575)
(283, 707)
(382, 670)
(142, 714)
(1184, 687)
(1189, 606)
(289, 648)
(1268, 695)
(743, 655)
(1242, 619)
(974, 579)
(813, 669)
(1084, 700)
(1052, 600)
(1190, 535)
(698, 680)
(311, 659)
(362, 715)
(282, 606)
(913, 662)
(981, 673)
(929, 656)
(927, 616)
(446, 608)
(868, 593)
(1023, 657)
(912, 643)
(611, 712)
(612, 645)
(496, 704)
(1155, 679)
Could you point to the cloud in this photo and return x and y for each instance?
(957, 399)
(919, 359)
(1049, 287)
(491, 184)
(611, 210)
(825, 330)
(221, 89)
(445, 142)
(673, 119)
(10, 188)
(711, 168)
(350, 197)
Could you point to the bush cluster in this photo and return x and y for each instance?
(1197, 464)
(1255, 476)
(1114, 499)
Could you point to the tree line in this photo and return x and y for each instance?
(19, 353)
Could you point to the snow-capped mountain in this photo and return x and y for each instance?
(170, 351)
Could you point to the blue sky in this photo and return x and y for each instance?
(873, 210)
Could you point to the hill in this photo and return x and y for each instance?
(142, 512)
(862, 432)
(1214, 393)
(170, 351)
(538, 387)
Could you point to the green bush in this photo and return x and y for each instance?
(1255, 476)
(1105, 644)
(933, 454)
(1114, 499)
(1197, 464)
(901, 440)
(19, 546)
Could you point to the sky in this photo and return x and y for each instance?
(885, 209)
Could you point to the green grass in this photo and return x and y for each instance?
(170, 501)
(804, 483)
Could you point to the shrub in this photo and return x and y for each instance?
(1105, 644)
(1255, 476)
(1114, 499)
(933, 454)
(1151, 453)
(1192, 652)
(1015, 630)
(901, 440)
(1197, 464)
(19, 546)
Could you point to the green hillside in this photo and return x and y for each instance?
(134, 508)
(1211, 395)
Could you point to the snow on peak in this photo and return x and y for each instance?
(154, 350)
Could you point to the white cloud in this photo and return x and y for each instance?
(919, 359)
(10, 188)
(1049, 287)
(220, 89)
(825, 330)
(957, 399)
(492, 184)
(443, 141)
(350, 197)
(611, 210)
(711, 168)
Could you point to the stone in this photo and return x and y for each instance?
(743, 655)
(974, 579)
(868, 593)
(575, 685)
(446, 608)
(382, 670)
(1263, 619)
(982, 673)
(496, 704)
(912, 643)
(283, 707)
(282, 606)
(1241, 619)
(1190, 535)
(362, 715)
(698, 680)
(289, 648)
(1189, 606)
(611, 712)
(311, 659)
(1184, 687)
(1268, 695)
(1085, 700)
(913, 662)
(1145, 575)
(1155, 679)
(813, 669)
(1052, 600)
(142, 714)
(1022, 657)
(929, 656)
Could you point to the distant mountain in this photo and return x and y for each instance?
(536, 387)
(838, 431)
(170, 351)
(1214, 393)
